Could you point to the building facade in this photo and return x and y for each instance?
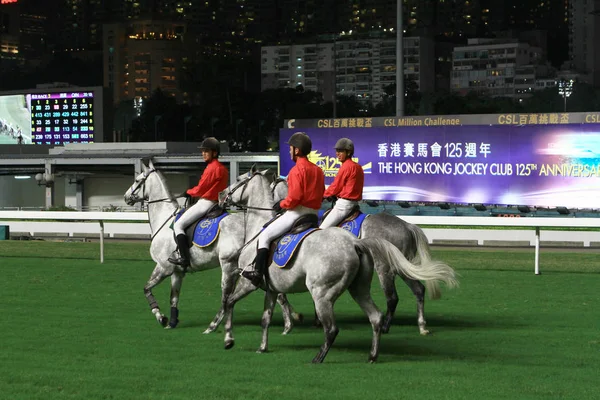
(495, 68)
(360, 68)
(142, 56)
(311, 66)
(584, 34)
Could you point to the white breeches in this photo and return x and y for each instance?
(338, 213)
(281, 225)
(193, 214)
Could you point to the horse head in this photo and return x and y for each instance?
(279, 187)
(147, 185)
(239, 192)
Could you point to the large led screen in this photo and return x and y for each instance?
(54, 118)
(540, 165)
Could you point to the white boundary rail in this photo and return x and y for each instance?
(535, 223)
(6, 217)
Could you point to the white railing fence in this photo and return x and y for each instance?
(121, 224)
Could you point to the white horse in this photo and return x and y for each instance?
(151, 186)
(410, 240)
(326, 264)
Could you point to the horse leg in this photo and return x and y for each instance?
(316, 322)
(176, 281)
(156, 277)
(228, 280)
(388, 285)
(243, 289)
(324, 310)
(419, 291)
(266, 320)
(360, 290)
(289, 315)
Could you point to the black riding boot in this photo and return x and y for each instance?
(260, 264)
(184, 252)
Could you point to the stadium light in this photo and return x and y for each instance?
(565, 89)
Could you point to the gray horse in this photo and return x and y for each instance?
(151, 186)
(410, 240)
(327, 263)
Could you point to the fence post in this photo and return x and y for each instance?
(101, 242)
(537, 250)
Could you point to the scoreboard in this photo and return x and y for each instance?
(60, 118)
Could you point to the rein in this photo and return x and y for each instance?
(243, 184)
(142, 184)
(164, 223)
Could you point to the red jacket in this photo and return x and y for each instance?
(348, 183)
(214, 180)
(306, 184)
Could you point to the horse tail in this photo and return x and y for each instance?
(422, 253)
(423, 257)
(431, 272)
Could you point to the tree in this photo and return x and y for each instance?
(412, 99)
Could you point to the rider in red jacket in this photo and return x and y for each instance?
(347, 187)
(214, 180)
(306, 184)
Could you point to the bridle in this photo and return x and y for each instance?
(243, 184)
(136, 198)
(228, 201)
(142, 184)
(276, 182)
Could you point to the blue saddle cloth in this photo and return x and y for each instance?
(286, 247)
(353, 226)
(206, 230)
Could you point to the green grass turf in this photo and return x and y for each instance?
(73, 328)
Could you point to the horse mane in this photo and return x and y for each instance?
(163, 181)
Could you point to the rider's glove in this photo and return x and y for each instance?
(277, 206)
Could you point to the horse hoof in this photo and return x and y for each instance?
(261, 351)
(385, 329)
(163, 321)
(286, 331)
(372, 360)
(229, 344)
(299, 317)
(207, 331)
(425, 332)
(172, 325)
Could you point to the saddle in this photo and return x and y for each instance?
(354, 212)
(303, 223)
(283, 248)
(205, 231)
(214, 212)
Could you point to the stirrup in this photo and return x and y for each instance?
(179, 261)
(253, 276)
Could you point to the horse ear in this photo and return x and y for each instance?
(150, 164)
(144, 167)
(253, 169)
(269, 174)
